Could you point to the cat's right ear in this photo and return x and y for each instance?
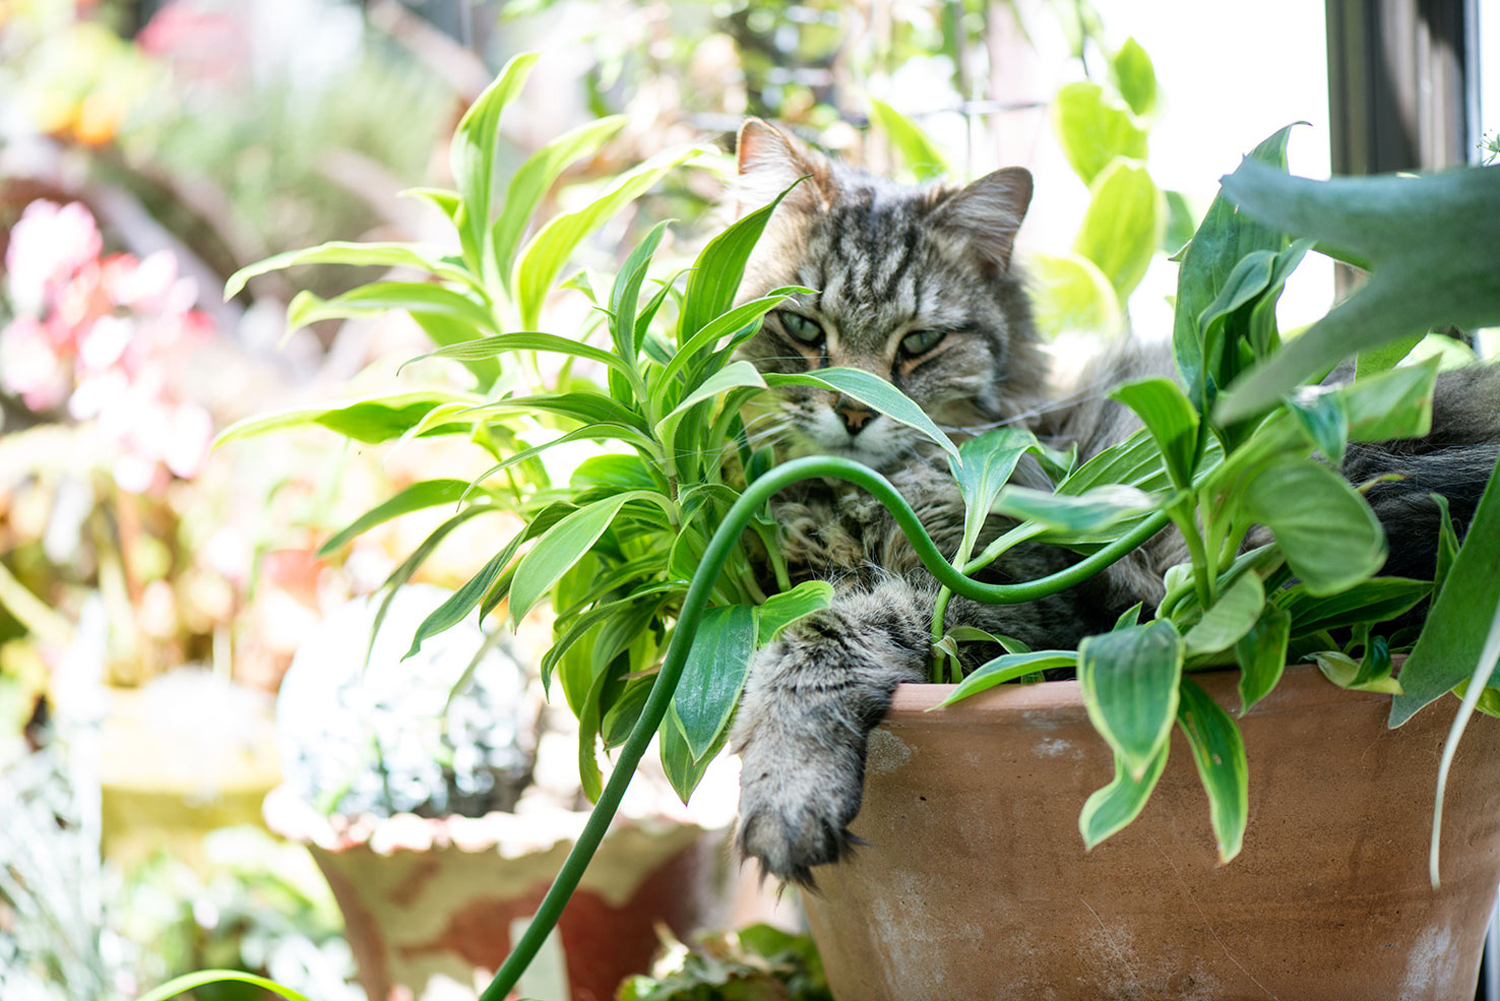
(770, 162)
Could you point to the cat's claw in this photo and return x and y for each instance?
(796, 818)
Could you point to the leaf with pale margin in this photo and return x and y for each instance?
(192, 981)
(875, 393)
(471, 160)
(1261, 654)
(1170, 418)
(713, 675)
(1430, 243)
(1326, 530)
(715, 278)
(1451, 643)
(1073, 517)
(1110, 810)
(1219, 752)
(1230, 618)
(384, 255)
(1129, 681)
(1006, 668)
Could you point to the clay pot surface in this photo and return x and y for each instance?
(975, 885)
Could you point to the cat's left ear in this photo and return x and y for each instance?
(986, 214)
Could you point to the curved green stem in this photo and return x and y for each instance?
(693, 605)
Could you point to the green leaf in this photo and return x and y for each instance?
(1134, 77)
(590, 408)
(1006, 668)
(559, 548)
(1447, 547)
(1329, 535)
(713, 675)
(874, 392)
(1135, 462)
(461, 602)
(444, 330)
(593, 432)
(1230, 618)
(1111, 809)
(550, 249)
(532, 179)
(981, 469)
(371, 420)
(781, 610)
(1094, 129)
(1394, 404)
(715, 278)
(365, 255)
(1219, 752)
(471, 159)
(1170, 418)
(1261, 654)
(1452, 641)
(1387, 356)
(490, 347)
(192, 981)
(1376, 600)
(715, 330)
(1222, 240)
(1071, 295)
(682, 769)
(732, 376)
(1130, 681)
(1325, 418)
(1123, 225)
(1429, 243)
(624, 295)
(1475, 692)
(444, 200)
(427, 493)
(1130, 617)
(1345, 672)
(1070, 517)
(920, 155)
(417, 298)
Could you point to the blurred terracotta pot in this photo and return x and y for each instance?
(430, 906)
(976, 886)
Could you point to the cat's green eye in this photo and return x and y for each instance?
(800, 327)
(919, 342)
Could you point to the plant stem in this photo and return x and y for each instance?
(693, 605)
(1182, 517)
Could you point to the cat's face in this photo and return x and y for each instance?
(915, 286)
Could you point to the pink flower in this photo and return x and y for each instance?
(30, 367)
(48, 246)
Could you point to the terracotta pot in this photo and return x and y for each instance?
(976, 886)
(430, 906)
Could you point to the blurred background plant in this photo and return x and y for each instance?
(153, 595)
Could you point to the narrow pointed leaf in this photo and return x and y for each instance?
(1006, 668)
(471, 159)
(917, 151)
(1170, 418)
(715, 278)
(428, 493)
(461, 602)
(365, 255)
(559, 548)
(875, 393)
(714, 674)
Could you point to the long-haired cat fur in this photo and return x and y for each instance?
(917, 285)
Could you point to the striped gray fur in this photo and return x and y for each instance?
(892, 261)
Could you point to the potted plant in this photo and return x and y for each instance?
(658, 610)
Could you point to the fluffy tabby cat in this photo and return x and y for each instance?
(917, 286)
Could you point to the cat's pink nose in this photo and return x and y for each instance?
(854, 416)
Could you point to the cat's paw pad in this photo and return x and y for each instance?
(795, 816)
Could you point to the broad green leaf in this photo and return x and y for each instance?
(682, 769)
(1387, 356)
(1394, 404)
(1134, 77)
(1123, 225)
(1452, 641)
(471, 159)
(372, 420)
(715, 278)
(1129, 681)
(1134, 462)
(1111, 809)
(874, 392)
(532, 179)
(1230, 618)
(376, 297)
(781, 610)
(1429, 243)
(192, 981)
(624, 295)
(918, 152)
(1071, 295)
(1094, 129)
(549, 250)
(490, 347)
(1376, 600)
(1219, 752)
(1008, 667)
(1325, 418)
(1261, 654)
(1170, 418)
(1222, 240)
(1329, 535)
(1073, 517)
(461, 602)
(384, 255)
(558, 549)
(427, 493)
(1180, 223)
(713, 675)
(1345, 672)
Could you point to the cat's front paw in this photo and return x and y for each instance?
(796, 802)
